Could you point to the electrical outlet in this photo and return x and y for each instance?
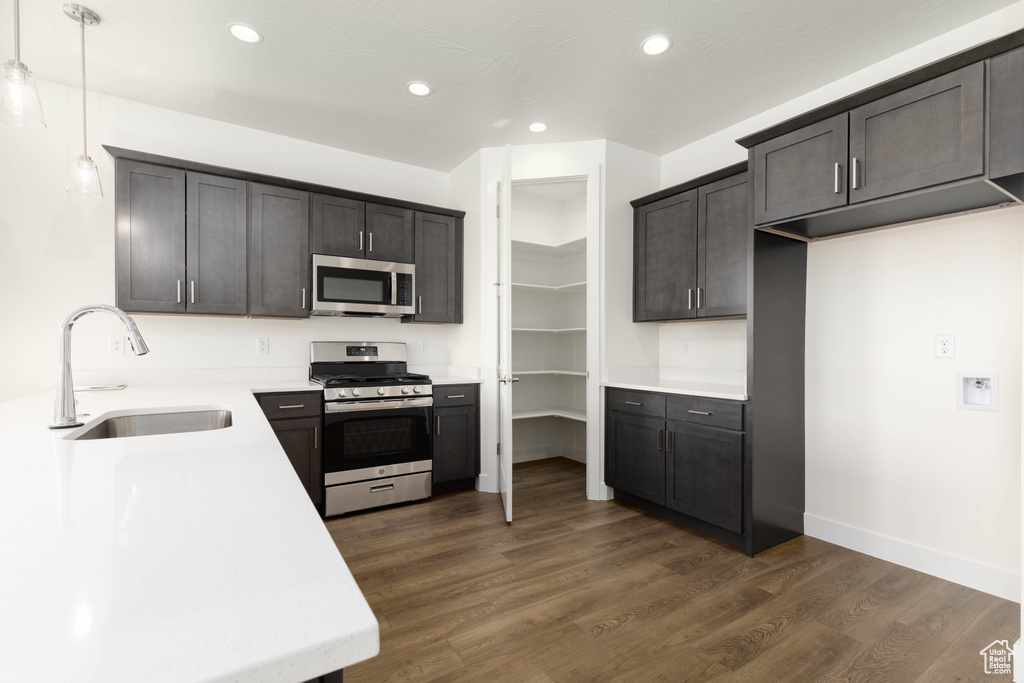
(262, 345)
(115, 344)
(945, 346)
(424, 345)
(684, 346)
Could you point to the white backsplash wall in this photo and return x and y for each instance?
(57, 251)
(717, 351)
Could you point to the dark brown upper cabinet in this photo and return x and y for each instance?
(173, 260)
(801, 172)
(337, 226)
(439, 262)
(922, 136)
(389, 234)
(279, 263)
(690, 253)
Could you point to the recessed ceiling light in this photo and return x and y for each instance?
(655, 45)
(246, 34)
(419, 89)
(538, 127)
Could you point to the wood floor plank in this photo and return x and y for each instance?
(898, 653)
(949, 609)
(805, 656)
(684, 666)
(784, 575)
(425, 664)
(435, 628)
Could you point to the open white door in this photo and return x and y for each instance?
(505, 378)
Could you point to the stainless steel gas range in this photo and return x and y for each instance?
(377, 446)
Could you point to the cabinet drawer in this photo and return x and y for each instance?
(706, 411)
(639, 402)
(278, 406)
(454, 395)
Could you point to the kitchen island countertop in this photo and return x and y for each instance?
(177, 557)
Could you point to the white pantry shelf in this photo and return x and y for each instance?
(549, 330)
(574, 287)
(566, 249)
(567, 413)
(575, 373)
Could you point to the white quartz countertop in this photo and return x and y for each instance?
(445, 379)
(702, 389)
(178, 557)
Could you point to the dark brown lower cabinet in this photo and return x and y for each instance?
(456, 437)
(704, 472)
(296, 420)
(634, 455)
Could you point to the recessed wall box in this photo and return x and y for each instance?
(977, 391)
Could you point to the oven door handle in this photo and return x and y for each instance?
(364, 406)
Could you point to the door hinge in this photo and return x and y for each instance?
(497, 210)
(499, 449)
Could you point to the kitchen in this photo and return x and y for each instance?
(873, 467)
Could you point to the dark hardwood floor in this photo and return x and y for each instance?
(578, 590)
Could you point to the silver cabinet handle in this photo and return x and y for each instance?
(316, 438)
(700, 297)
(457, 396)
(371, 242)
(438, 425)
(660, 435)
(179, 291)
(837, 178)
(382, 487)
(193, 288)
(360, 240)
(633, 403)
(420, 304)
(853, 173)
(689, 299)
(297, 405)
(699, 412)
(669, 442)
(303, 298)
(515, 379)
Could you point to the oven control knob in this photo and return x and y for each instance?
(405, 390)
(417, 389)
(342, 392)
(381, 391)
(356, 392)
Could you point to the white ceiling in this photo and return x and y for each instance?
(335, 71)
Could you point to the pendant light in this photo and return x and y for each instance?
(19, 97)
(84, 179)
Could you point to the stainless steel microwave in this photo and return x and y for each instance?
(361, 287)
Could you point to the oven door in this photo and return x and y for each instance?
(348, 286)
(358, 444)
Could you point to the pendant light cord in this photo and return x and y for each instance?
(85, 127)
(17, 38)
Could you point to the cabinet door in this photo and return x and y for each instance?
(665, 259)
(279, 274)
(389, 235)
(634, 455)
(925, 135)
(215, 245)
(438, 269)
(301, 442)
(705, 474)
(456, 444)
(150, 242)
(336, 226)
(801, 172)
(1006, 114)
(722, 227)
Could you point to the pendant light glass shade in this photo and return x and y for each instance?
(84, 179)
(19, 95)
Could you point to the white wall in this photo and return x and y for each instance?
(57, 251)
(892, 468)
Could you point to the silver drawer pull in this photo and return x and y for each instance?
(853, 172)
(179, 291)
(193, 285)
(633, 403)
(382, 487)
(297, 405)
(699, 412)
(457, 396)
(836, 184)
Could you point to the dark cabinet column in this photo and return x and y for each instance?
(801, 172)
(456, 444)
(301, 442)
(439, 263)
(389, 234)
(634, 455)
(150, 239)
(216, 245)
(704, 473)
(337, 226)
(279, 238)
(665, 269)
(929, 134)
(722, 225)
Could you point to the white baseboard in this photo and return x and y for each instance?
(983, 577)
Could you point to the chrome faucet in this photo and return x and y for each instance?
(64, 405)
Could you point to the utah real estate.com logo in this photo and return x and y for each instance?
(998, 657)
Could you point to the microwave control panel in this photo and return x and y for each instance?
(404, 294)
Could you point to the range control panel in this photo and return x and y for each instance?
(361, 350)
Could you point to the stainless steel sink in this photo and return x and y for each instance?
(149, 424)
